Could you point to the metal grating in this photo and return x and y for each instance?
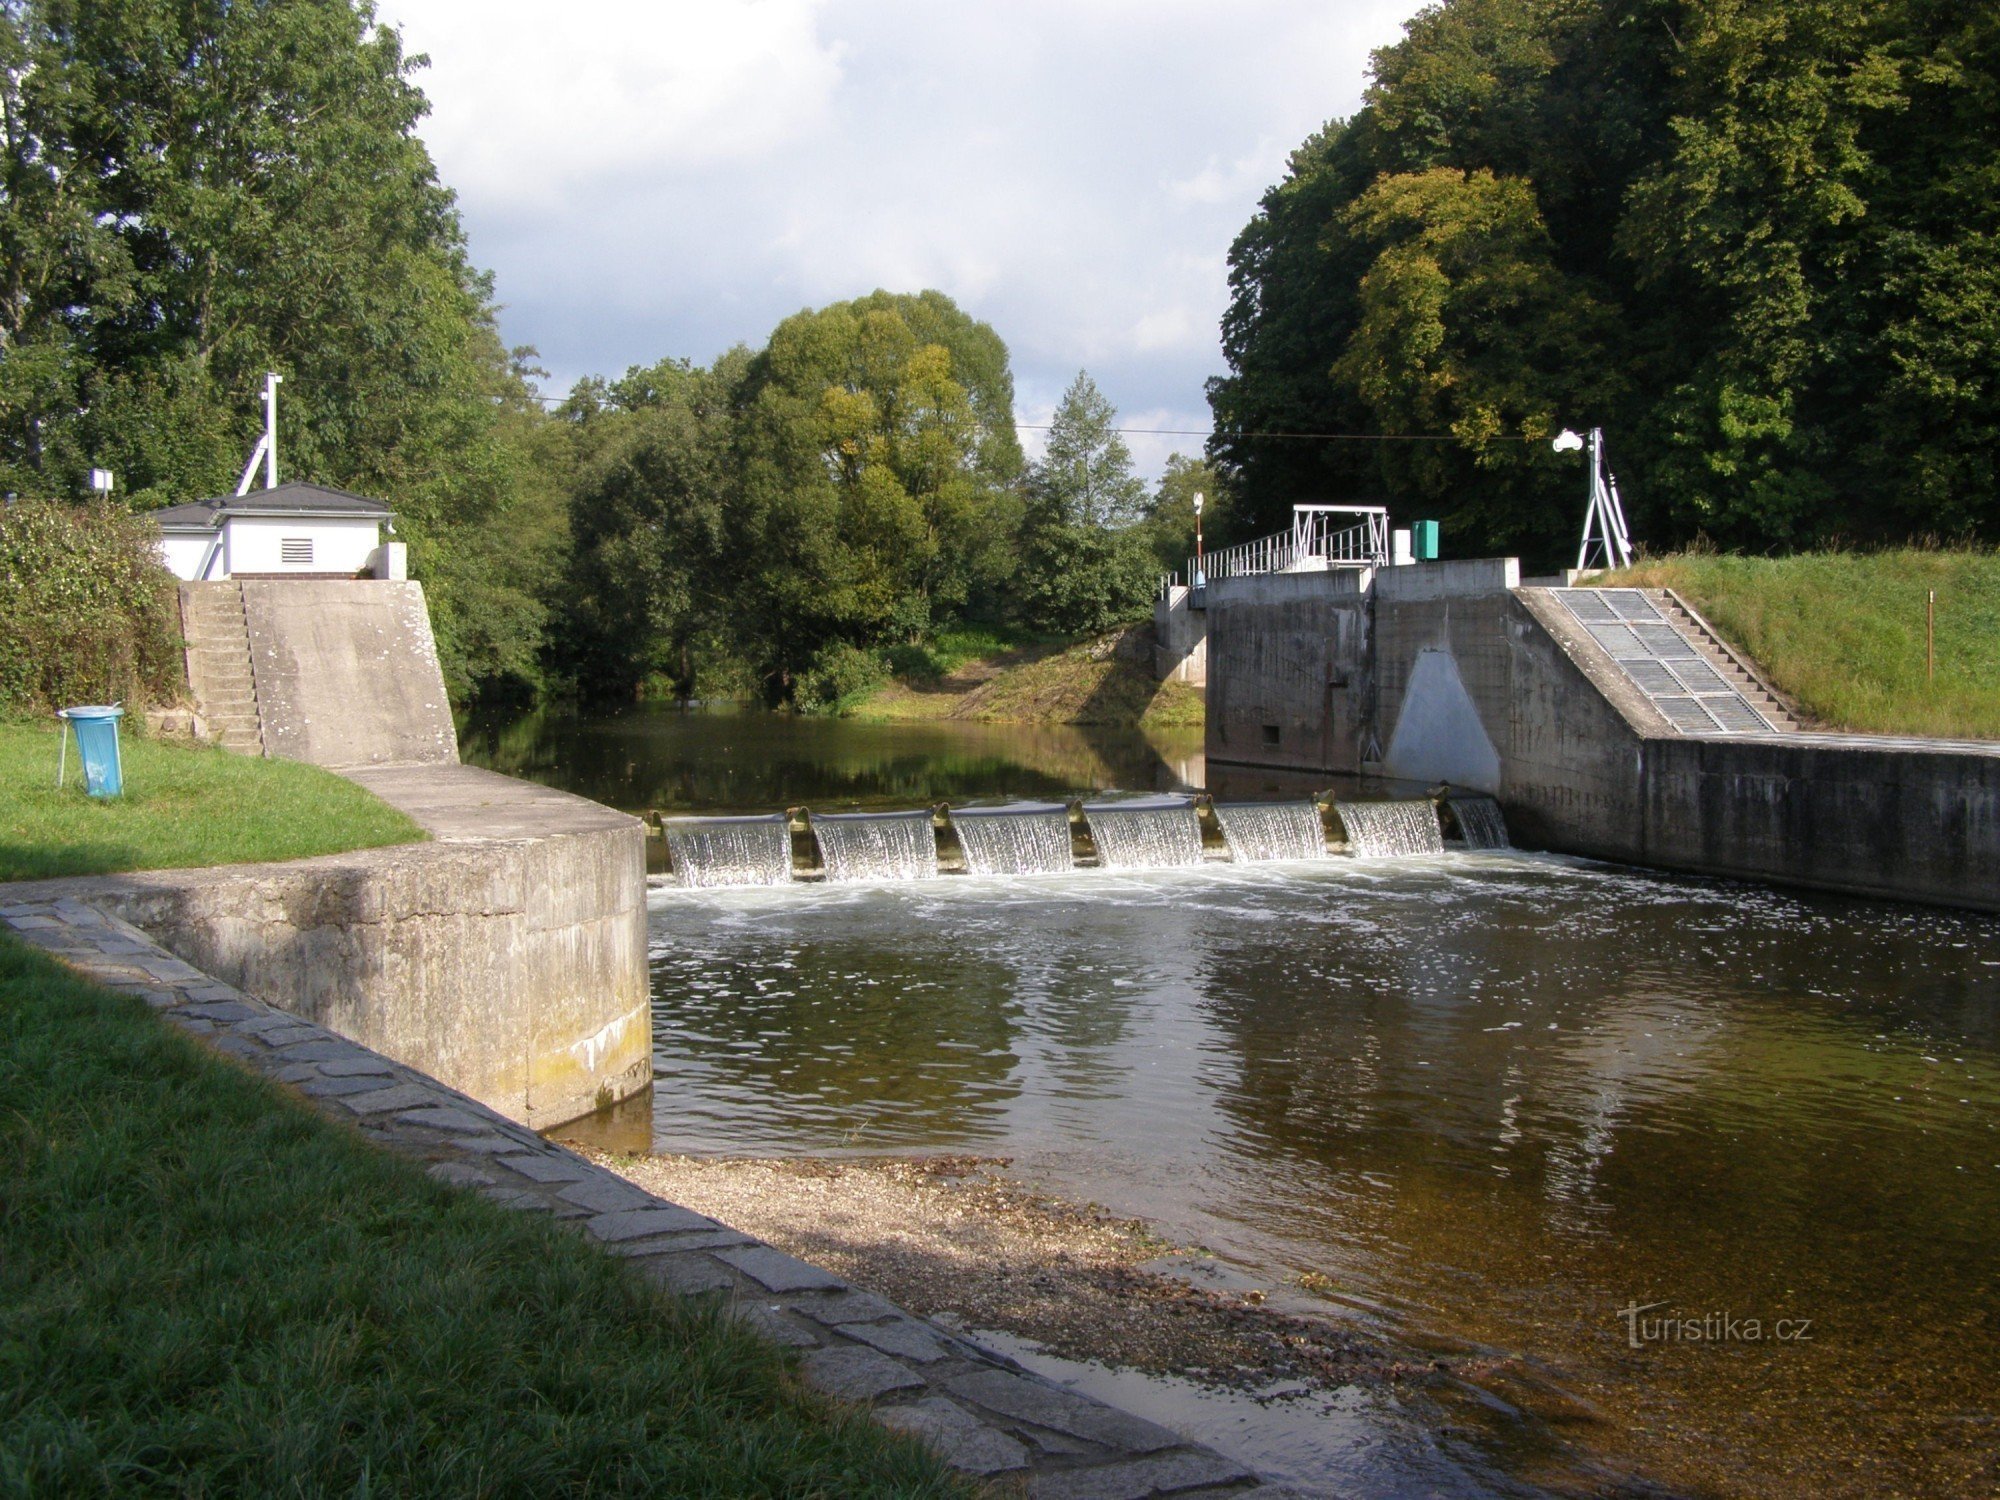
(1661, 662)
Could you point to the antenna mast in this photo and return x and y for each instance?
(267, 445)
(1604, 520)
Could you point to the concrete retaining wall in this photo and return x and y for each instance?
(506, 957)
(1287, 680)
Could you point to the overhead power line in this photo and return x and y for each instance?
(1317, 437)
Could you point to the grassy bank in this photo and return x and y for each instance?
(183, 805)
(207, 1289)
(1107, 680)
(1843, 632)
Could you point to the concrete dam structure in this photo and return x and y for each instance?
(1607, 722)
(506, 955)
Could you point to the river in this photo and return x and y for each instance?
(1702, 1177)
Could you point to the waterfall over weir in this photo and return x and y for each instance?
(1271, 830)
(730, 851)
(1375, 829)
(1144, 836)
(1482, 823)
(876, 846)
(1014, 840)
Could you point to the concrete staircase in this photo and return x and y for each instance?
(218, 664)
(1733, 669)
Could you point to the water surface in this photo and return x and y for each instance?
(1482, 1101)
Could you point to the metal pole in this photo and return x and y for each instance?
(1930, 638)
(271, 380)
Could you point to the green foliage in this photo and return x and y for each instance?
(1759, 243)
(207, 1289)
(191, 195)
(1170, 513)
(1843, 632)
(183, 806)
(840, 673)
(87, 612)
(1085, 565)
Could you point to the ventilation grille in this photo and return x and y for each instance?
(296, 552)
(1662, 663)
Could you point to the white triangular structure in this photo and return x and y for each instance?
(1604, 520)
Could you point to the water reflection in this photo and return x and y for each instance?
(1501, 1097)
(724, 761)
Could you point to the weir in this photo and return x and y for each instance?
(876, 846)
(1378, 829)
(1481, 822)
(1014, 840)
(1144, 836)
(1258, 831)
(730, 851)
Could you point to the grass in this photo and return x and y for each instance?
(207, 1289)
(183, 805)
(1105, 680)
(1843, 632)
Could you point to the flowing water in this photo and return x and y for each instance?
(1698, 1183)
(1380, 829)
(1272, 830)
(1481, 822)
(1014, 841)
(876, 846)
(1144, 836)
(729, 851)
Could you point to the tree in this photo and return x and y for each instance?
(875, 448)
(193, 194)
(1085, 563)
(1759, 243)
(1170, 513)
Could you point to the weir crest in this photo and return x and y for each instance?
(876, 846)
(1014, 840)
(1376, 829)
(1144, 836)
(1271, 830)
(730, 851)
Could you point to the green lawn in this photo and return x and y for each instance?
(1843, 632)
(207, 1289)
(183, 805)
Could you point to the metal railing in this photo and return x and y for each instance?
(1317, 539)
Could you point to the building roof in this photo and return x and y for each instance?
(292, 498)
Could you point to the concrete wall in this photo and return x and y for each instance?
(347, 672)
(255, 544)
(1287, 670)
(506, 957)
(1465, 678)
(1181, 633)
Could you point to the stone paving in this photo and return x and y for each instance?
(985, 1414)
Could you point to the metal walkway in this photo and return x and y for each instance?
(1672, 670)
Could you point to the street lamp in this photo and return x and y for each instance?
(1200, 576)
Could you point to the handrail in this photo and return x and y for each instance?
(1313, 538)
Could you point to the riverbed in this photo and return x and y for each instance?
(1702, 1178)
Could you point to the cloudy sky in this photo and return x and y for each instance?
(671, 178)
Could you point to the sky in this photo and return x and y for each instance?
(673, 178)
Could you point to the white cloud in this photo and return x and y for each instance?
(673, 178)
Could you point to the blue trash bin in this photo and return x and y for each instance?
(96, 731)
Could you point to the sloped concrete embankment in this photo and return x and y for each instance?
(981, 1411)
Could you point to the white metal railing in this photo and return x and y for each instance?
(1317, 537)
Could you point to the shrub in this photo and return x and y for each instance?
(87, 612)
(838, 672)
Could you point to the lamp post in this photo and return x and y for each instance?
(1200, 574)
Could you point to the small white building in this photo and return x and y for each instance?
(294, 530)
